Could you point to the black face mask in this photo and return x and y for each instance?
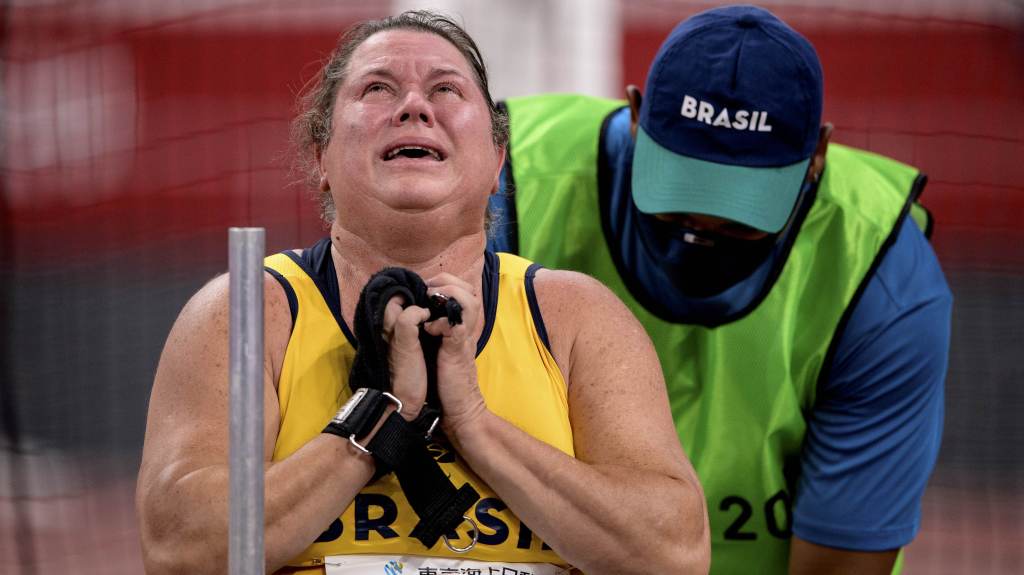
(703, 264)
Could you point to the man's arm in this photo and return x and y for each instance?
(806, 557)
(874, 432)
(629, 502)
(182, 491)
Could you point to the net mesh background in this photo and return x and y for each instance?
(134, 133)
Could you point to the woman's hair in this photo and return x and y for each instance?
(311, 129)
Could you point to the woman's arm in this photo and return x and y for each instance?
(182, 491)
(629, 502)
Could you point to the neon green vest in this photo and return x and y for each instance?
(738, 392)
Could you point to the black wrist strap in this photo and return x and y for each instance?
(400, 446)
(395, 443)
(398, 437)
(358, 417)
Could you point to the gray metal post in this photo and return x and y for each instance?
(245, 529)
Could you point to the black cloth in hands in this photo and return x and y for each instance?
(398, 445)
(370, 368)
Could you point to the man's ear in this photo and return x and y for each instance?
(818, 159)
(633, 96)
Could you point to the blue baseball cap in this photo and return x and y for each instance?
(729, 119)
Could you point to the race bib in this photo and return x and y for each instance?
(417, 565)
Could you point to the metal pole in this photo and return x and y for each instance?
(245, 530)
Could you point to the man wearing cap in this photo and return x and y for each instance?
(800, 315)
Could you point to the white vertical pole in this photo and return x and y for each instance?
(536, 46)
(245, 529)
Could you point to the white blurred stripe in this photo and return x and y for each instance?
(532, 46)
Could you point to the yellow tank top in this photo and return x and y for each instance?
(518, 378)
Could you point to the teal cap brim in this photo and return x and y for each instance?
(666, 182)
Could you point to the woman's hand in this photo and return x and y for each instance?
(405, 358)
(461, 399)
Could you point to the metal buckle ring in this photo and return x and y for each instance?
(352, 440)
(395, 400)
(472, 544)
(430, 432)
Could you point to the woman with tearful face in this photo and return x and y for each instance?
(554, 408)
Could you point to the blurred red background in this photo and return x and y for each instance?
(134, 135)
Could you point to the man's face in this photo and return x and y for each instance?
(713, 224)
(411, 130)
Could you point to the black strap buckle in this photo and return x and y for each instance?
(360, 414)
(352, 438)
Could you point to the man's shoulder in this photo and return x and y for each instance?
(870, 188)
(902, 316)
(859, 157)
(909, 273)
